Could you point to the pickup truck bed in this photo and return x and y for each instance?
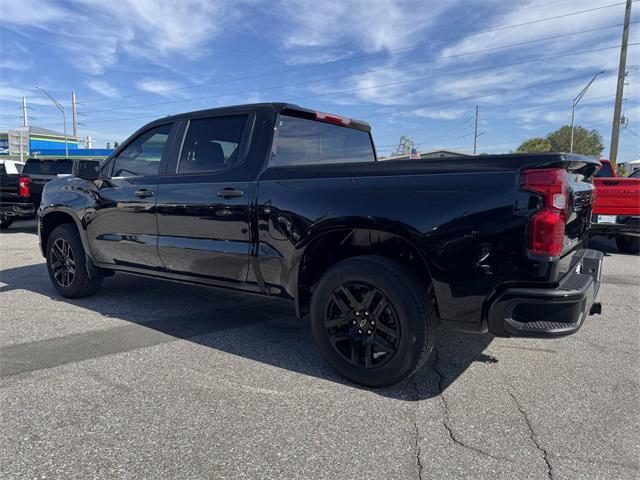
(278, 200)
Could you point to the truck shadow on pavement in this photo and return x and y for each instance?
(22, 226)
(257, 328)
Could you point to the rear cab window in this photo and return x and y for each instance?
(48, 167)
(302, 141)
(605, 171)
(32, 167)
(57, 167)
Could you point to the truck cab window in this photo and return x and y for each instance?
(308, 142)
(605, 171)
(57, 167)
(144, 154)
(211, 144)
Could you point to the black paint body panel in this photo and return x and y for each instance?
(467, 218)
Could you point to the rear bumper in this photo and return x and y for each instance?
(625, 225)
(18, 210)
(549, 312)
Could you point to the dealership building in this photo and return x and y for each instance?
(30, 141)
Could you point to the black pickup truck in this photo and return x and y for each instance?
(279, 200)
(15, 200)
(20, 194)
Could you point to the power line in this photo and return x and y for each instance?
(382, 85)
(363, 72)
(466, 99)
(395, 110)
(386, 52)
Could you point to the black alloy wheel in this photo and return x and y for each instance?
(373, 320)
(63, 262)
(362, 325)
(67, 264)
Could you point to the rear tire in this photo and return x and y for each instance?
(66, 263)
(628, 244)
(373, 320)
(5, 222)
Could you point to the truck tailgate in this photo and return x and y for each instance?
(617, 196)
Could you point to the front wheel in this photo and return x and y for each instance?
(66, 263)
(373, 320)
(628, 244)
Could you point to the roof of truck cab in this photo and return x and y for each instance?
(273, 106)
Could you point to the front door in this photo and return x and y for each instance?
(203, 205)
(123, 229)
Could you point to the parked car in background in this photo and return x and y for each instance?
(616, 210)
(280, 200)
(21, 192)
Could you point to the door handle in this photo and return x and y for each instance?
(230, 193)
(144, 193)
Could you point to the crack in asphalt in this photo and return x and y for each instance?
(415, 426)
(532, 434)
(445, 420)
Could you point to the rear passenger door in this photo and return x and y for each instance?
(203, 201)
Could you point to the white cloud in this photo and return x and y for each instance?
(10, 93)
(441, 114)
(524, 12)
(30, 12)
(11, 64)
(160, 87)
(103, 88)
(96, 33)
(373, 26)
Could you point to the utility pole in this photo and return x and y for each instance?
(575, 103)
(74, 113)
(25, 117)
(622, 73)
(475, 132)
(64, 120)
(21, 154)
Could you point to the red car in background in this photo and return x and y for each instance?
(616, 210)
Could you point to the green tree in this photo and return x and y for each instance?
(585, 142)
(535, 145)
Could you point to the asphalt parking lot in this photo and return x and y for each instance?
(150, 379)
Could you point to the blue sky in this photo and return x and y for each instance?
(414, 68)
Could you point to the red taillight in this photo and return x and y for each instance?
(546, 227)
(327, 117)
(24, 186)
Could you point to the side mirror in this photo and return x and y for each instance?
(87, 169)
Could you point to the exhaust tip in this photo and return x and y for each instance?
(596, 308)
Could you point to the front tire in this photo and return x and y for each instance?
(373, 321)
(66, 263)
(628, 244)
